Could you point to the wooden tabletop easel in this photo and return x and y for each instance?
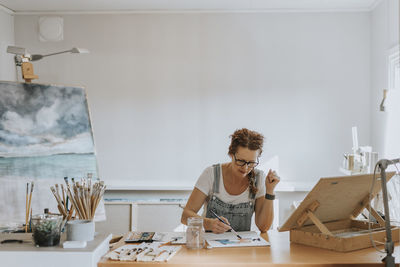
(327, 217)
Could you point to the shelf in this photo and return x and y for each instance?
(122, 185)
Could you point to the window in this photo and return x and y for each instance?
(392, 131)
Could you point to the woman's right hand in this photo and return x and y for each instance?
(217, 227)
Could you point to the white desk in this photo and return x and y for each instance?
(26, 254)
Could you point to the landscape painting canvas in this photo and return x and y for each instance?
(45, 135)
(45, 132)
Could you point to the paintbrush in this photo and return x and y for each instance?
(30, 221)
(220, 219)
(63, 197)
(30, 200)
(169, 242)
(71, 210)
(66, 182)
(28, 205)
(60, 205)
(73, 202)
(26, 208)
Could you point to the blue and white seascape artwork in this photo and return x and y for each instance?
(45, 132)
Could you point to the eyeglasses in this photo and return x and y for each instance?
(241, 163)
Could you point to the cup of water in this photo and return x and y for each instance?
(46, 230)
(195, 233)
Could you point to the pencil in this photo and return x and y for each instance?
(219, 218)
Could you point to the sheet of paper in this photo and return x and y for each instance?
(228, 239)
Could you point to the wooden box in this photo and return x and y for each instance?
(326, 217)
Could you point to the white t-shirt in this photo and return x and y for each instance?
(206, 181)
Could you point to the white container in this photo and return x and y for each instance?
(374, 160)
(80, 230)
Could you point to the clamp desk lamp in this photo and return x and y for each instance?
(389, 245)
(23, 59)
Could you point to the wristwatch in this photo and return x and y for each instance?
(270, 197)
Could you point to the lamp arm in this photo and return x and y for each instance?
(38, 57)
(52, 54)
(389, 245)
(73, 50)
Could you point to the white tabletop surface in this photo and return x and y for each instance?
(26, 254)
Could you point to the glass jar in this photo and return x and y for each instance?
(46, 230)
(194, 233)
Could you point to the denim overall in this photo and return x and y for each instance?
(238, 215)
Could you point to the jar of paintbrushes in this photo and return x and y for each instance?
(83, 196)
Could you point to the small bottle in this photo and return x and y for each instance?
(195, 233)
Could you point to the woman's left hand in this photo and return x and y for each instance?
(271, 181)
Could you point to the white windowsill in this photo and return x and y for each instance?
(122, 185)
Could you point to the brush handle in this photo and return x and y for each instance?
(220, 219)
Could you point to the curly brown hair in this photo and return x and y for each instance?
(246, 138)
(251, 140)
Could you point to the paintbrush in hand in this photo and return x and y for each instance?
(220, 219)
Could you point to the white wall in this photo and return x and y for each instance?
(384, 36)
(7, 66)
(166, 90)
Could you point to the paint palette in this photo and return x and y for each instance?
(138, 237)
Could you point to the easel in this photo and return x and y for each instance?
(326, 218)
(309, 214)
